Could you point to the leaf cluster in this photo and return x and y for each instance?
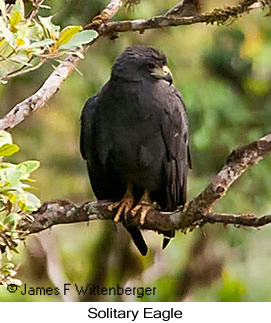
(15, 200)
(26, 41)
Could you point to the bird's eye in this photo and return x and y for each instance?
(151, 66)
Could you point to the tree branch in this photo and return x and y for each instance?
(248, 220)
(185, 8)
(23, 109)
(237, 163)
(218, 15)
(36, 101)
(198, 212)
(108, 13)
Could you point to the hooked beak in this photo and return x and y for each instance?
(163, 73)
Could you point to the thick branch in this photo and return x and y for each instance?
(23, 109)
(64, 212)
(237, 163)
(219, 16)
(197, 213)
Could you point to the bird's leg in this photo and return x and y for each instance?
(124, 205)
(144, 205)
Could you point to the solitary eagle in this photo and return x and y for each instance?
(134, 137)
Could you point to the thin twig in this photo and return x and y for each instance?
(36, 7)
(249, 220)
(24, 71)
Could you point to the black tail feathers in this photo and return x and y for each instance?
(138, 240)
(168, 235)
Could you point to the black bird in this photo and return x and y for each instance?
(134, 137)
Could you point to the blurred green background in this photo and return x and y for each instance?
(224, 75)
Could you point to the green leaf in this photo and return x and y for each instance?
(7, 165)
(67, 34)
(12, 197)
(8, 150)
(21, 58)
(18, 6)
(16, 282)
(6, 33)
(28, 202)
(30, 31)
(30, 165)
(42, 43)
(8, 254)
(8, 266)
(11, 218)
(15, 19)
(13, 176)
(5, 138)
(83, 37)
(50, 27)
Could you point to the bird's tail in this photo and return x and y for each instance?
(168, 235)
(138, 240)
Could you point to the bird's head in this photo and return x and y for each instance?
(142, 62)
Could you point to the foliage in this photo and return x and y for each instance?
(26, 42)
(15, 202)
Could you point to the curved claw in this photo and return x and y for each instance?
(124, 206)
(143, 209)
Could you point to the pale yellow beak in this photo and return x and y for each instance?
(162, 73)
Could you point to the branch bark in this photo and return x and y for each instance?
(198, 211)
(185, 8)
(172, 17)
(36, 101)
(108, 13)
(218, 15)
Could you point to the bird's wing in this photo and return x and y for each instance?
(104, 181)
(177, 162)
(96, 170)
(87, 120)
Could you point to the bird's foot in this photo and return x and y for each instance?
(143, 207)
(124, 206)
